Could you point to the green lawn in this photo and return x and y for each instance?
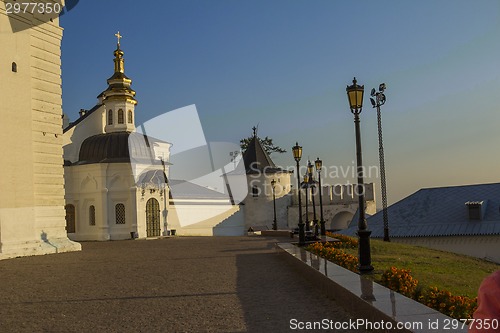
(459, 274)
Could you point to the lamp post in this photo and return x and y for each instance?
(305, 185)
(312, 185)
(234, 157)
(165, 212)
(377, 103)
(297, 155)
(355, 97)
(273, 185)
(319, 165)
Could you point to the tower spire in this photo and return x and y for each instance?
(119, 101)
(119, 61)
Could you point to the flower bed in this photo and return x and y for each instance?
(398, 279)
(336, 255)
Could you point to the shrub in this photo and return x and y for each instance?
(335, 255)
(458, 307)
(400, 280)
(346, 242)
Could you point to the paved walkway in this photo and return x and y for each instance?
(184, 284)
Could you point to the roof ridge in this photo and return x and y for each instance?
(80, 119)
(457, 186)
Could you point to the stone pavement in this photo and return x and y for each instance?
(179, 284)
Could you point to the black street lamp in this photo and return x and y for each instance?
(313, 186)
(305, 185)
(355, 97)
(319, 165)
(166, 232)
(273, 185)
(377, 103)
(297, 155)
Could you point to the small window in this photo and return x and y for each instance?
(120, 213)
(121, 119)
(92, 215)
(476, 209)
(110, 117)
(14, 67)
(130, 119)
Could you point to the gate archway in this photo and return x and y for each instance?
(340, 221)
(153, 228)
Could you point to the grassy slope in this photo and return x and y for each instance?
(461, 275)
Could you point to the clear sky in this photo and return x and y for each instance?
(284, 65)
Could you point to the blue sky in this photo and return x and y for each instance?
(284, 65)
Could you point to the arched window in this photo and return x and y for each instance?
(14, 67)
(120, 213)
(70, 218)
(121, 119)
(92, 215)
(130, 120)
(110, 117)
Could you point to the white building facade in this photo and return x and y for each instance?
(116, 179)
(31, 182)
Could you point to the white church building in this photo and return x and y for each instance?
(115, 178)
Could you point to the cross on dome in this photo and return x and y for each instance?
(118, 36)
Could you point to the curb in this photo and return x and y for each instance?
(381, 309)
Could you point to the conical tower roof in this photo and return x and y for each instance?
(256, 158)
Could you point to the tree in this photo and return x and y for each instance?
(267, 144)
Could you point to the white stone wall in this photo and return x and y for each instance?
(104, 186)
(85, 187)
(340, 203)
(339, 194)
(32, 197)
(122, 190)
(74, 137)
(259, 210)
(197, 217)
